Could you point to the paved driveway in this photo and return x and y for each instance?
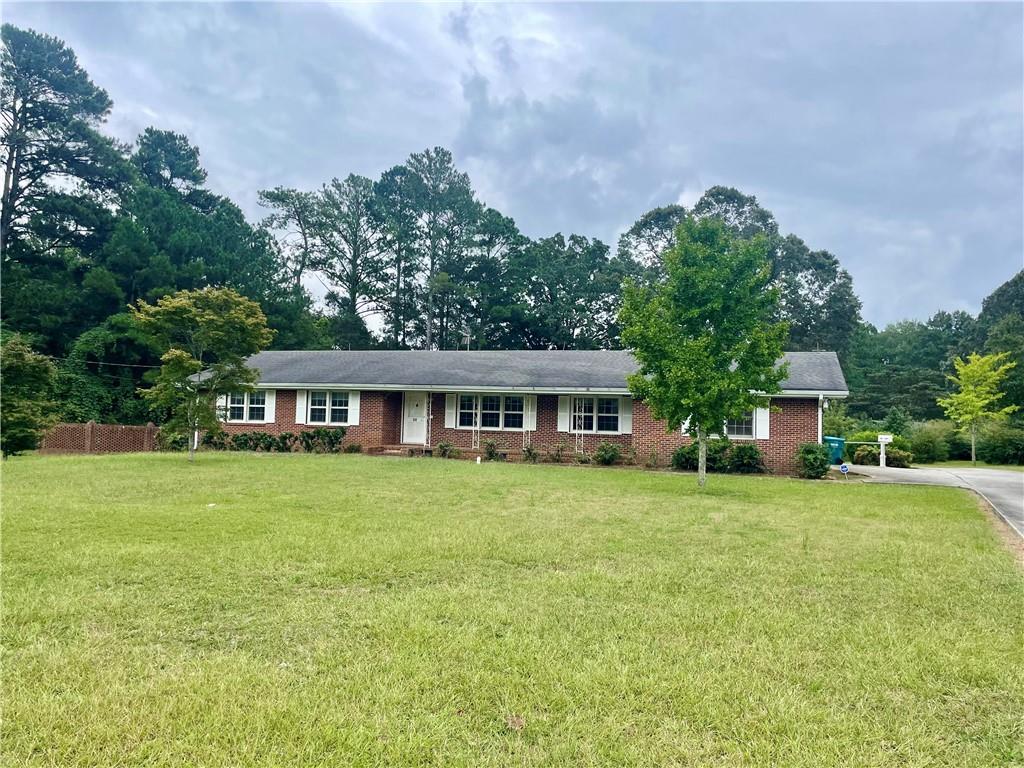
(1003, 488)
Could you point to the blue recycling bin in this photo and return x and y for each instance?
(835, 448)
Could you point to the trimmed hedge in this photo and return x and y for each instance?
(319, 440)
(723, 456)
(813, 460)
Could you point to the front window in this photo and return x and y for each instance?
(317, 407)
(497, 412)
(513, 415)
(607, 414)
(490, 411)
(327, 407)
(741, 427)
(247, 406)
(583, 414)
(257, 405)
(339, 407)
(467, 410)
(596, 414)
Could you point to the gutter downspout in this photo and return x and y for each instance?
(821, 403)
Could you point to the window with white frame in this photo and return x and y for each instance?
(492, 412)
(326, 407)
(512, 413)
(247, 406)
(339, 407)
(596, 414)
(467, 410)
(741, 427)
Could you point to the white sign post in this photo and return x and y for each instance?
(883, 440)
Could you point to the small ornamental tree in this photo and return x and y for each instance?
(978, 380)
(25, 407)
(703, 336)
(205, 336)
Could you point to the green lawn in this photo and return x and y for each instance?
(347, 610)
(968, 464)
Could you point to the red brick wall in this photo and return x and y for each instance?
(793, 421)
(380, 417)
(546, 435)
(371, 431)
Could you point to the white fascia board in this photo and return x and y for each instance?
(447, 388)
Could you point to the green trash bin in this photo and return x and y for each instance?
(835, 448)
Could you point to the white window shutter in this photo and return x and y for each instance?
(353, 408)
(270, 409)
(563, 413)
(300, 406)
(222, 407)
(450, 402)
(626, 416)
(762, 416)
(530, 417)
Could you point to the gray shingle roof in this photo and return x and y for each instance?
(536, 370)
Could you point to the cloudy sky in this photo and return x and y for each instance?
(890, 135)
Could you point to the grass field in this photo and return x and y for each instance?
(968, 465)
(348, 610)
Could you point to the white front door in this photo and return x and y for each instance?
(414, 418)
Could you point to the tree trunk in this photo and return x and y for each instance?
(974, 434)
(193, 438)
(702, 457)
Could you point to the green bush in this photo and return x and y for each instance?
(686, 457)
(582, 457)
(813, 460)
(240, 441)
(930, 441)
(746, 458)
(530, 454)
(959, 445)
(353, 448)
(1002, 444)
(322, 439)
(556, 453)
(171, 441)
(866, 455)
(447, 450)
(492, 452)
(871, 436)
(607, 453)
(218, 440)
(894, 457)
(285, 442)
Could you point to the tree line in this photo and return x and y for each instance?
(411, 259)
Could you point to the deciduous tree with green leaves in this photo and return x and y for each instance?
(205, 336)
(25, 385)
(704, 335)
(975, 402)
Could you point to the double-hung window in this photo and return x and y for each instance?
(497, 412)
(595, 414)
(467, 410)
(247, 406)
(327, 407)
(741, 427)
(512, 415)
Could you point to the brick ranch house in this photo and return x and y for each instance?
(417, 399)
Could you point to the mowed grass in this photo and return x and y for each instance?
(347, 610)
(968, 465)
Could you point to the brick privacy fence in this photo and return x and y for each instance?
(99, 438)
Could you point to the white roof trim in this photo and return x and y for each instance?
(528, 390)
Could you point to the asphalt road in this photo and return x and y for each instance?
(1003, 488)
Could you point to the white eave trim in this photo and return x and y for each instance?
(809, 393)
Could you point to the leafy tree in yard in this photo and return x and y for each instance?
(294, 219)
(704, 336)
(25, 382)
(211, 331)
(977, 394)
